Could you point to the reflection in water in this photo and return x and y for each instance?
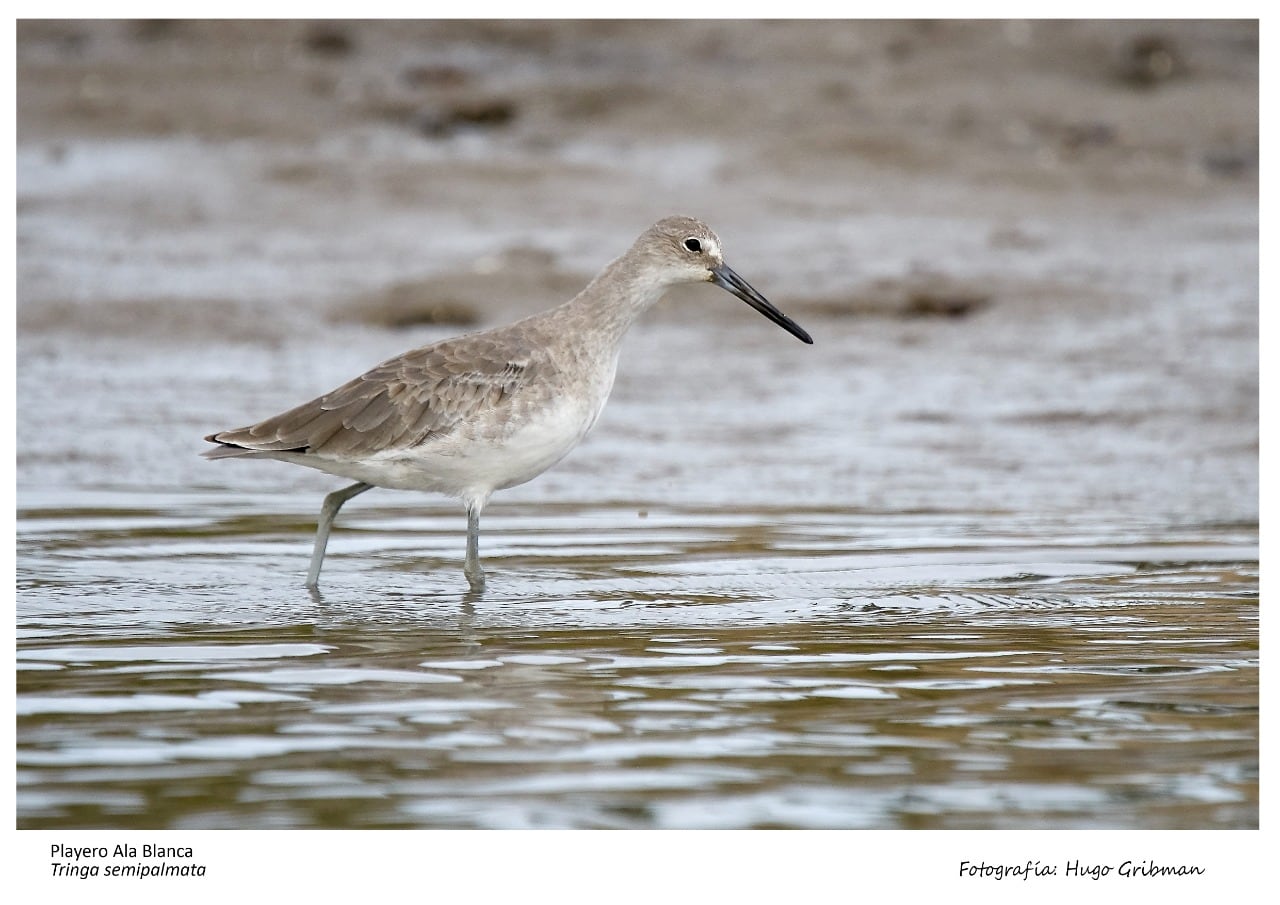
(632, 677)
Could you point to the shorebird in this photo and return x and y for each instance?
(489, 410)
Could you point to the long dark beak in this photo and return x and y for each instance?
(724, 277)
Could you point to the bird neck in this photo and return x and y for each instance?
(619, 294)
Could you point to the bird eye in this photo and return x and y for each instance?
(693, 244)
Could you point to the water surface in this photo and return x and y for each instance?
(678, 668)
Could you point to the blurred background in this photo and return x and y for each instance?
(254, 184)
(1027, 252)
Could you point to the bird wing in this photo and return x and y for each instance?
(401, 403)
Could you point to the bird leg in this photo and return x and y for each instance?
(472, 569)
(328, 512)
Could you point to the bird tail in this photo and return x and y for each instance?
(227, 451)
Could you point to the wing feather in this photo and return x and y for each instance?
(401, 403)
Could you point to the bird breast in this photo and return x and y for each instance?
(492, 452)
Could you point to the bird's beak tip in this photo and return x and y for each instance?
(724, 277)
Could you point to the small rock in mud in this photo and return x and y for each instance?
(1148, 60)
(1231, 163)
(329, 41)
(484, 113)
(953, 302)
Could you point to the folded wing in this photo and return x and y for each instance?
(400, 404)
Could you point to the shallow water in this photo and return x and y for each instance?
(700, 667)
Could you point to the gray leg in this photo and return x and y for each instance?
(328, 512)
(475, 574)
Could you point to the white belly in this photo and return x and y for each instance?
(477, 459)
